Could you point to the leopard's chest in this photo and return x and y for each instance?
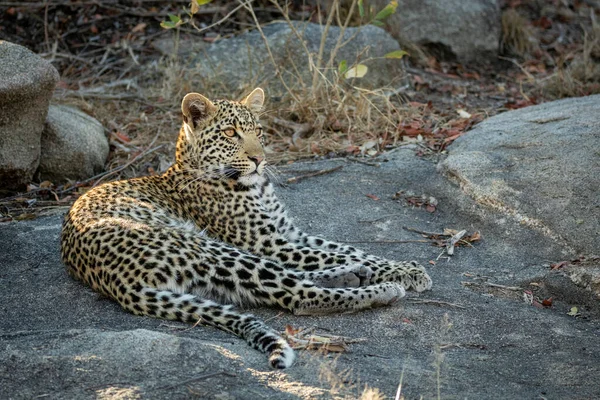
(233, 216)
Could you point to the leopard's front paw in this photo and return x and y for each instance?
(342, 276)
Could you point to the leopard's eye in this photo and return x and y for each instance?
(259, 132)
(229, 132)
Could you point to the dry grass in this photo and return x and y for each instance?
(325, 115)
(578, 73)
(517, 35)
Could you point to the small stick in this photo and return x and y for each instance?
(423, 232)
(494, 285)
(387, 241)
(436, 302)
(358, 160)
(453, 240)
(274, 316)
(462, 346)
(298, 178)
(365, 221)
(378, 356)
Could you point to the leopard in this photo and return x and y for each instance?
(209, 234)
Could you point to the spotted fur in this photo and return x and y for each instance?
(211, 230)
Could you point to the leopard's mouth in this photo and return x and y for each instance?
(236, 174)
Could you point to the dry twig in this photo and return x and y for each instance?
(494, 285)
(298, 178)
(435, 302)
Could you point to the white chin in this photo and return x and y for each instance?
(249, 180)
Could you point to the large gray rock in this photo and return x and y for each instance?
(539, 165)
(243, 60)
(26, 85)
(73, 145)
(466, 29)
(60, 340)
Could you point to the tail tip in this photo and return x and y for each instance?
(282, 358)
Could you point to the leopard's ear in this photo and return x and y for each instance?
(196, 109)
(254, 101)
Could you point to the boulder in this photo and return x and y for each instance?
(243, 60)
(74, 146)
(464, 339)
(467, 30)
(26, 85)
(539, 165)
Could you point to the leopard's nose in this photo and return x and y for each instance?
(256, 159)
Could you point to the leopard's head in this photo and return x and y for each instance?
(222, 138)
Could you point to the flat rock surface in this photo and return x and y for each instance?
(61, 340)
(540, 166)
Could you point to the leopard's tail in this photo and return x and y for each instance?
(189, 308)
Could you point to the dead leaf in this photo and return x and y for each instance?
(474, 237)
(122, 137)
(290, 330)
(463, 114)
(372, 196)
(558, 265)
(547, 302)
(140, 27)
(544, 23)
(536, 304)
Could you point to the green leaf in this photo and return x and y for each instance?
(358, 71)
(167, 25)
(396, 54)
(574, 312)
(196, 4)
(387, 11)
(361, 9)
(377, 23)
(343, 67)
(174, 19)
